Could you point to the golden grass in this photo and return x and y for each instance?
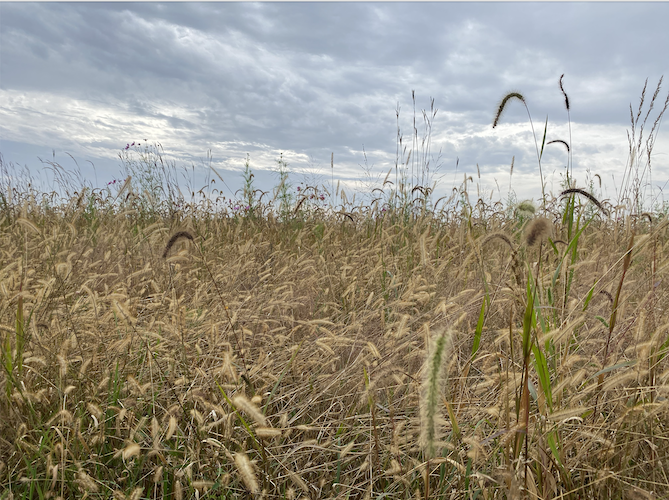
(284, 360)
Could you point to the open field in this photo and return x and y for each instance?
(306, 347)
(298, 358)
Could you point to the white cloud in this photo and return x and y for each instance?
(312, 79)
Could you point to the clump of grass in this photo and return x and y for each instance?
(295, 357)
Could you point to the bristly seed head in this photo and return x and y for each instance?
(537, 230)
(502, 104)
(175, 237)
(560, 142)
(433, 383)
(566, 99)
(498, 235)
(587, 195)
(525, 210)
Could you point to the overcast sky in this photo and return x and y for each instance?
(311, 79)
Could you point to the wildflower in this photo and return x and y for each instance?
(298, 189)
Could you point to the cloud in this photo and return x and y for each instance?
(312, 79)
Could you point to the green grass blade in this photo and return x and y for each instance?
(544, 375)
(588, 297)
(479, 329)
(543, 141)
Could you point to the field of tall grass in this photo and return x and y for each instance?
(302, 347)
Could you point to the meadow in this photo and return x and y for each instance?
(306, 347)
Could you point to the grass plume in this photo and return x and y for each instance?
(566, 98)
(432, 388)
(502, 105)
(176, 237)
(537, 230)
(587, 195)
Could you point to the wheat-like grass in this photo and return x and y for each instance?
(294, 357)
(587, 195)
(432, 387)
(502, 105)
(174, 238)
(242, 402)
(537, 230)
(246, 472)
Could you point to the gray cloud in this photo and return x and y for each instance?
(310, 79)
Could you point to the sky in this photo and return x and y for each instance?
(321, 85)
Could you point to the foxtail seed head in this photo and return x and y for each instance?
(566, 99)
(590, 197)
(502, 104)
(433, 383)
(537, 230)
(559, 141)
(175, 237)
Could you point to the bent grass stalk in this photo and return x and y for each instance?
(500, 109)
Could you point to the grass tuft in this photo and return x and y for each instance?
(292, 356)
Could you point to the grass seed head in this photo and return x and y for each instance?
(245, 470)
(498, 235)
(537, 230)
(243, 403)
(587, 195)
(559, 141)
(566, 99)
(502, 105)
(432, 388)
(525, 209)
(176, 237)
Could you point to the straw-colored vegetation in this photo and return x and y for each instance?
(404, 349)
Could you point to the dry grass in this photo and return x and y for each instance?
(285, 359)
(152, 348)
